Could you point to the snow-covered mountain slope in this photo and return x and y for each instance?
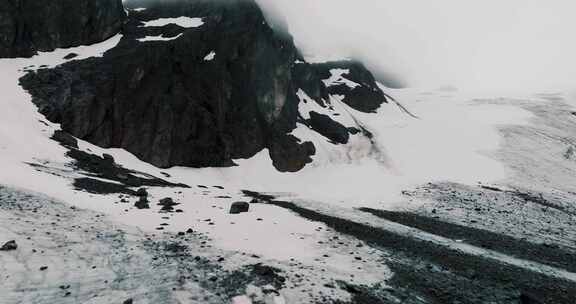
(434, 197)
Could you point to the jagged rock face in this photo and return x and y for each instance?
(201, 97)
(366, 96)
(162, 101)
(28, 26)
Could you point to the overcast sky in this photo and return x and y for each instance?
(488, 43)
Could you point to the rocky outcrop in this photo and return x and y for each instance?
(361, 93)
(9, 246)
(28, 26)
(239, 207)
(197, 97)
(329, 128)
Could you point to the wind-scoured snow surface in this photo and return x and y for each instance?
(98, 249)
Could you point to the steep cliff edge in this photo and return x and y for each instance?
(194, 83)
(28, 26)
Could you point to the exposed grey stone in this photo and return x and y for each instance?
(9, 246)
(239, 207)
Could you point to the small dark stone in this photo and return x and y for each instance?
(70, 56)
(256, 201)
(190, 230)
(129, 301)
(354, 131)
(142, 192)
(239, 207)
(167, 204)
(9, 246)
(142, 203)
(43, 268)
(168, 201)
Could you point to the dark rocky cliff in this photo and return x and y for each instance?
(28, 26)
(162, 101)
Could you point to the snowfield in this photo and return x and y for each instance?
(100, 248)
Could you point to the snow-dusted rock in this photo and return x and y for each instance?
(156, 97)
(9, 246)
(239, 207)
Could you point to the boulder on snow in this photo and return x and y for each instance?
(239, 207)
(142, 203)
(9, 246)
(142, 192)
(167, 204)
(70, 56)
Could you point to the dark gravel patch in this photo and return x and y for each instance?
(551, 255)
(463, 275)
(99, 187)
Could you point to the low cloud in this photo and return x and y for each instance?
(491, 43)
